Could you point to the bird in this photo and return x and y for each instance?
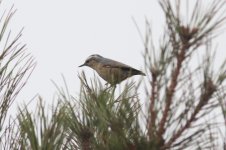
(113, 72)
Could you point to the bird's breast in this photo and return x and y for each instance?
(111, 75)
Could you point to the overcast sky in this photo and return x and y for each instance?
(62, 34)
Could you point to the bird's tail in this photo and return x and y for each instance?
(138, 72)
(143, 74)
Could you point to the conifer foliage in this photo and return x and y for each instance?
(183, 94)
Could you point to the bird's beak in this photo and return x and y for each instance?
(82, 65)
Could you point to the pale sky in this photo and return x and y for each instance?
(62, 34)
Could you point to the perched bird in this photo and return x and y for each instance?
(110, 70)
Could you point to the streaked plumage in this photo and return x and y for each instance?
(110, 70)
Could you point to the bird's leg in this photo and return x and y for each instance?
(111, 86)
(106, 84)
(114, 87)
(112, 93)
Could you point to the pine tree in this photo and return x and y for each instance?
(182, 96)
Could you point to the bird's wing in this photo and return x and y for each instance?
(115, 64)
(124, 67)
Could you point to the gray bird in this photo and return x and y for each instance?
(110, 70)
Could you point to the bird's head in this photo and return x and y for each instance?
(92, 61)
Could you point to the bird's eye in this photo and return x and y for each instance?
(87, 61)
